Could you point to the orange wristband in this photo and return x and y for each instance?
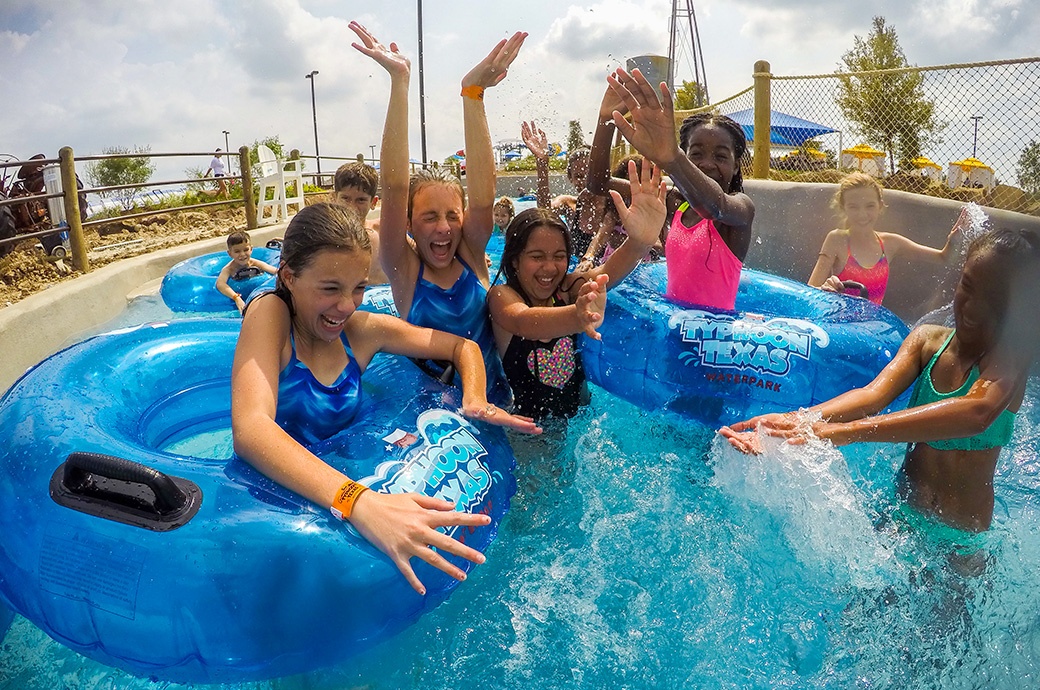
(475, 92)
(346, 497)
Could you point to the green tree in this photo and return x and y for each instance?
(1029, 168)
(575, 137)
(127, 169)
(690, 95)
(889, 110)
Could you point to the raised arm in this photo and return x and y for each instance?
(906, 248)
(396, 256)
(480, 159)
(599, 180)
(642, 221)
(537, 143)
(652, 133)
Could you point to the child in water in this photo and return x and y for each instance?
(968, 384)
(710, 233)
(860, 253)
(296, 380)
(541, 309)
(356, 185)
(241, 267)
(503, 213)
(441, 280)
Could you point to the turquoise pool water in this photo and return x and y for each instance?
(640, 553)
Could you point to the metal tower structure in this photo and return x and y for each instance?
(683, 36)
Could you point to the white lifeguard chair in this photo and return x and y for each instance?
(275, 175)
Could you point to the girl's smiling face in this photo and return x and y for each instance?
(542, 265)
(502, 216)
(436, 224)
(862, 207)
(327, 291)
(711, 150)
(979, 300)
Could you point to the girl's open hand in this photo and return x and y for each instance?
(405, 525)
(390, 58)
(591, 303)
(493, 68)
(493, 414)
(611, 102)
(644, 218)
(652, 129)
(747, 442)
(535, 140)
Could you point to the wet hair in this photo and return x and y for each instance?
(736, 133)
(506, 203)
(316, 229)
(855, 180)
(1018, 254)
(621, 169)
(238, 237)
(517, 235)
(355, 174)
(426, 177)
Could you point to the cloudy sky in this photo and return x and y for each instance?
(172, 74)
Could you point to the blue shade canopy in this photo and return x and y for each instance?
(784, 129)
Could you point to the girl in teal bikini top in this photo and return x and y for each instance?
(997, 434)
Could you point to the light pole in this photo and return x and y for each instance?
(227, 148)
(422, 88)
(975, 138)
(373, 147)
(314, 112)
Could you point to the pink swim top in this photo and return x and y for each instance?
(701, 268)
(875, 278)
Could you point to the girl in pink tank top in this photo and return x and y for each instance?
(858, 252)
(711, 216)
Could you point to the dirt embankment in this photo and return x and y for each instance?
(26, 270)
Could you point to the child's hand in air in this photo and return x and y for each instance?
(644, 218)
(611, 102)
(392, 61)
(535, 140)
(483, 411)
(652, 130)
(591, 303)
(493, 68)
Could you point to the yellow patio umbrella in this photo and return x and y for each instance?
(970, 163)
(924, 162)
(863, 151)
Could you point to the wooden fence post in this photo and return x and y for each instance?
(760, 165)
(247, 187)
(67, 166)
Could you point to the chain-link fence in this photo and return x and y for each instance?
(968, 132)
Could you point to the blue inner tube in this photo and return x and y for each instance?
(258, 582)
(191, 285)
(786, 346)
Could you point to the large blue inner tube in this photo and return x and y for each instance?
(786, 346)
(191, 285)
(259, 582)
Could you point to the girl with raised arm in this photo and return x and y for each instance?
(440, 279)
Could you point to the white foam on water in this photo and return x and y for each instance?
(808, 489)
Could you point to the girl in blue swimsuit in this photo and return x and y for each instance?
(296, 379)
(439, 278)
(969, 382)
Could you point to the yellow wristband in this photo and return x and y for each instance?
(473, 91)
(346, 497)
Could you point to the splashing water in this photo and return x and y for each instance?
(808, 490)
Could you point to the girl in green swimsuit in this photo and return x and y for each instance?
(970, 381)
